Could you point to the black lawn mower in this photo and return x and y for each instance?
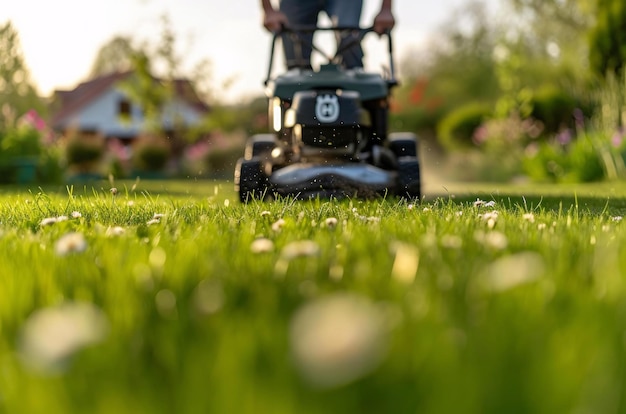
(330, 137)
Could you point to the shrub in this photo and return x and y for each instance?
(50, 166)
(457, 128)
(151, 153)
(553, 107)
(21, 153)
(575, 161)
(21, 142)
(586, 163)
(221, 162)
(502, 143)
(83, 150)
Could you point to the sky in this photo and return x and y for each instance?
(60, 38)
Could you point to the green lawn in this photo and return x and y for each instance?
(171, 297)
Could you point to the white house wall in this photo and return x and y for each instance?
(102, 114)
(181, 110)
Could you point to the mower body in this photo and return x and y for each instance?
(329, 139)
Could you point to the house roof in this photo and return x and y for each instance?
(184, 89)
(70, 101)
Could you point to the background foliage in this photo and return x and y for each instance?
(549, 64)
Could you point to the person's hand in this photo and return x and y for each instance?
(274, 20)
(384, 21)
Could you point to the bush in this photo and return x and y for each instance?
(20, 142)
(585, 161)
(151, 153)
(221, 162)
(554, 108)
(22, 153)
(456, 129)
(50, 166)
(574, 162)
(83, 151)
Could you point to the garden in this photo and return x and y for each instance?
(134, 281)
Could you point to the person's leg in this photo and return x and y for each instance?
(298, 47)
(347, 13)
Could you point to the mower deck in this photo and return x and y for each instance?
(335, 180)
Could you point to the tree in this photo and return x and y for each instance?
(147, 91)
(544, 46)
(554, 31)
(18, 94)
(608, 38)
(156, 66)
(456, 69)
(459, 61)
(115, 56)
(156, 70)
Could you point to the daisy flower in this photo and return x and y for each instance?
(70, 243)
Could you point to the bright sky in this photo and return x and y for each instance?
(60, 38)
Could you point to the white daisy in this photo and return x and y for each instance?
(70, 243)
(491, 218)
(51, 335)
(406, 262)
(302, 248)
(337, 340)
(115, 231)
(511, 271)
(48, 221)
(262, 245)
(278, 225)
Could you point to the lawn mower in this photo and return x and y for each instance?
(329, 134)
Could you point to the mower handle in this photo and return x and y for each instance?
(362, 31)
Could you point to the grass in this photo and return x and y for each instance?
(164, 300)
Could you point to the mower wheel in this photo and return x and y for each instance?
(403, 144)
(409, 180)
(251, 182)
(259, 145)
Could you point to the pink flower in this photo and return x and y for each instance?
(564, 137)
(618, 138)
(117, 148)
(481, 134)
(197, 151)
(33, 119)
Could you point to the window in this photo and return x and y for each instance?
(123, 109)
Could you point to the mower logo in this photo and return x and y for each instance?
(327, 108)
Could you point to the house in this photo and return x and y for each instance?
(100, 106)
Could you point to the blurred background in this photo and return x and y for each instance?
(509, 90)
